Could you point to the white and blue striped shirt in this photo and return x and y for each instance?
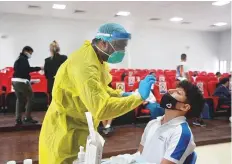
(172, 141)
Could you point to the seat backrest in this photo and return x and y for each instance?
(191, 159)
(203, 88)
(160, 71)
(211, 74)
(41, 86)
(212, 78)
(116, 78)
(130, 80)
(201, 79)
(212, 87)
(203, 73)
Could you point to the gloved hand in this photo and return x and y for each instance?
(125, 94)
(145, 86)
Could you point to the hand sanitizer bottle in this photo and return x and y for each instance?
(80, 157)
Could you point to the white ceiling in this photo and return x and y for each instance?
(201, 14)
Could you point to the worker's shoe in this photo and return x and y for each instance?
(29, 121)
(18, 122)
(108, 131)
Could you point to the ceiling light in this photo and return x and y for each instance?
(185, 22)
(59, 6)
(176, 19)
(79, 11)
(34, 7)
(220, 24)
(154, 19)
(123, 13)
(220, 3)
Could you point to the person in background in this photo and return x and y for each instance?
(182, 69)
(195, 74)
(124, 74)
(152, 73)
(21, 83)
(223, 92)
(168, 139)
(218, 75)
(51, 66)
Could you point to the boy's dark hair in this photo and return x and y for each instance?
(28, 49)
(218, 73)
(224, 80)
(194, 98)
(183, 56)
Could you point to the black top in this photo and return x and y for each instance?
(52, 65)
(222, 92)
(22, 68)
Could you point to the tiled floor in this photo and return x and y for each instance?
(19, 145)
(214, 154)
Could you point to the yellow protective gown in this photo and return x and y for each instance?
(81, 85)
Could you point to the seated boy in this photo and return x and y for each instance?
(168, 139)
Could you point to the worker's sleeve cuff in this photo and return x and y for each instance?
(137, 94)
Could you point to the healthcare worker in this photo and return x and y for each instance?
(81, 85)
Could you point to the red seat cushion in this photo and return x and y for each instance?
(224, 106)
(145, 111)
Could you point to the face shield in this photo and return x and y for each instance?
(118, 42)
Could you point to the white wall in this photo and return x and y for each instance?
(149, 47)
(224, 52)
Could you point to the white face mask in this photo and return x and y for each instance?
(28, 55)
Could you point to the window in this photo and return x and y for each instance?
(223, 66)
(230, 66)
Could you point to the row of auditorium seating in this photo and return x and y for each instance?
(8, 98)
(166, 80)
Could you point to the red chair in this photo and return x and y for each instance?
(203, 73)
(116, 78)
(211, 74)
(225, 75)
(211, 88)
(212, 78)
(41, 86)
(190, 73)
(160, 71)
(174, 71)
(203, 88)
(202, 79)
(157, 91)
(1, 92)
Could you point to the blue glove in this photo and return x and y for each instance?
(125, 94)
(145, 86)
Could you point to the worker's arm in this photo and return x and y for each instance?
(114, 93)
(95, 97)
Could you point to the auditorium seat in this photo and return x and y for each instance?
(225, 75)
(202, 79)
(212, 78)
(211, 89)
(116, 78)
(211, 74)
